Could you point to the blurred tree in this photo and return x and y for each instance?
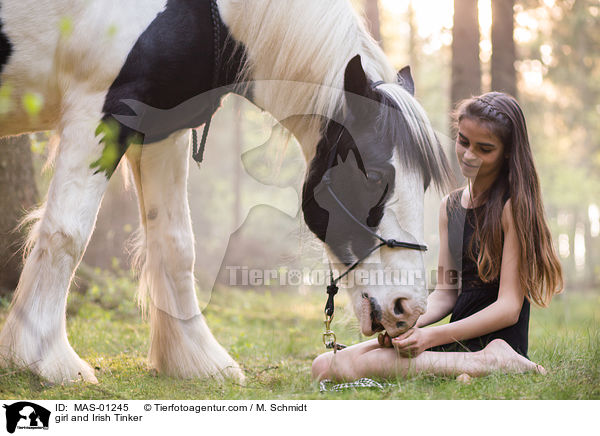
(18, 192)
(413, 37)
(504, 76)
(372, 13)
(575, 70)
(466, 69)
(117, 219)
(564, 49)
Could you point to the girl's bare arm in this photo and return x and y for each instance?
(442, 300)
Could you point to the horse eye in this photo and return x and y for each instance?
(374, 176)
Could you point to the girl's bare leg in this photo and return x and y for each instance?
(368, 359)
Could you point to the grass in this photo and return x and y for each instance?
(275, 336)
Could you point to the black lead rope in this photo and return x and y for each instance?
(198, 152)
(329, 338)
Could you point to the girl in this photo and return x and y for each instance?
(494, 232)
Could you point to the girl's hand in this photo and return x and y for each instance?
(412, 343)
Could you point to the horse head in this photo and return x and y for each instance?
(366, 185)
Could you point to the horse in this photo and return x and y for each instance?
(311, 64)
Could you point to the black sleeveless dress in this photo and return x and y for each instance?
(475, 294)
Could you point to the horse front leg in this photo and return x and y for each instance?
(34, 334)
(181, 343)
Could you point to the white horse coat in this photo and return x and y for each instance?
(83, 59)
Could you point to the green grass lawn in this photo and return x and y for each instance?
(275, 336)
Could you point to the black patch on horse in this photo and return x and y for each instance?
(172, 62)
(6, 48)
(354, 157)
(373, 126)
(362, 177)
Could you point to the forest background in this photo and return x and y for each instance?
(245, 195)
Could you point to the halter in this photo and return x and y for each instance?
(329, 338)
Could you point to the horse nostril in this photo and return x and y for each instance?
(376, 326)
(398, 309)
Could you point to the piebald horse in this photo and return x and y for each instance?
(310, 63)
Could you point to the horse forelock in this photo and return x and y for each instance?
(403, 121)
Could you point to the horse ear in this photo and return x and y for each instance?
(355, 78)
(406, 81)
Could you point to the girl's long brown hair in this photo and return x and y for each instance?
(540, 273)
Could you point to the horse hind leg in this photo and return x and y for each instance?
(181, 344)
(34, 334)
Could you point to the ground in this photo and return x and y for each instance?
(275, 335)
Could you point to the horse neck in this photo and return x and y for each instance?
(296, 56)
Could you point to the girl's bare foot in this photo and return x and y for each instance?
(501, 357)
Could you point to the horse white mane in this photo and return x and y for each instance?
(426, 142)
(297, 52)
(308, 42)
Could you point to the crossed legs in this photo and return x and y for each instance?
(369, 359)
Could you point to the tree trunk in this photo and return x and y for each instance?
(504, 76)
(572, 273)
(18, 192)
(117, 219)
(591, 264)
(466, 70)
(413, 50)
(373, 21)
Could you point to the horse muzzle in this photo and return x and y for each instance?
(396, 317)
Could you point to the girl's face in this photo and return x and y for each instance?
(480, 153)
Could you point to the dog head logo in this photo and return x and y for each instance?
(25, 415)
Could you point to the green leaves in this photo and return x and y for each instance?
(65, 26)
(33, 103)
(109, 133)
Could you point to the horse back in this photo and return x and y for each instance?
(55, 50)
